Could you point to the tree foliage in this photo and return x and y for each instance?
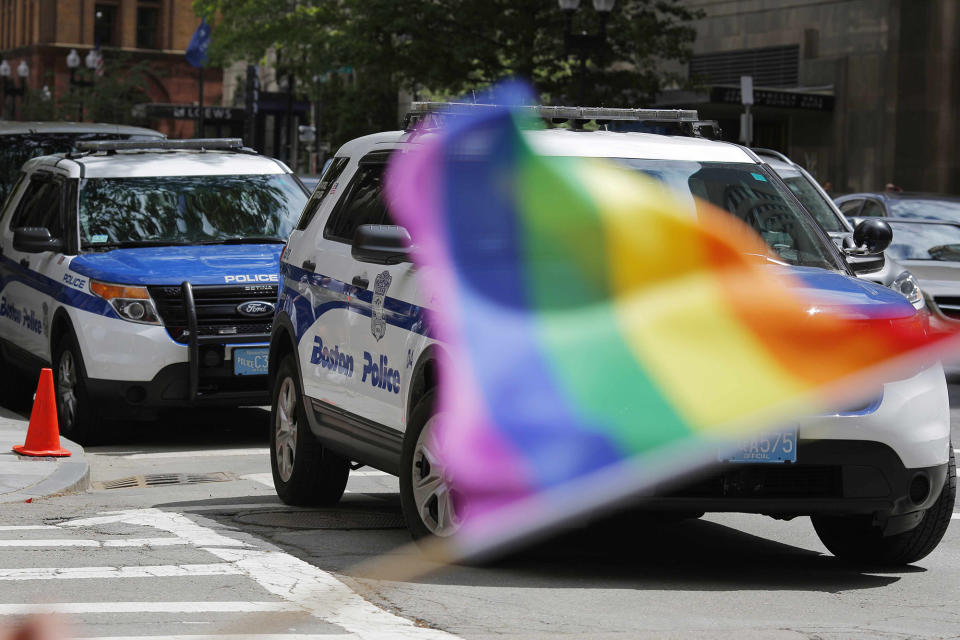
(446, 48)
(110, 98)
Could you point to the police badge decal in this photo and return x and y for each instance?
(378, 324)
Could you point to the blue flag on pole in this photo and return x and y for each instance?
(197, 49)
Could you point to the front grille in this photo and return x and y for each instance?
(948, 306)
(767, 481)
(216, 306)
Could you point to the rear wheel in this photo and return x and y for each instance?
(305, 473)
(79, 419)
(857, 539)
(429, 504)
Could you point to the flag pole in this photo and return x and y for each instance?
(200, 122)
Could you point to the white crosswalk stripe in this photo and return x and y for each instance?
(231, 636)
(151, 571)
(318, 598)
(77, 608)
(122, 542)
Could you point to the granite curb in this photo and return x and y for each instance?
(23, 478)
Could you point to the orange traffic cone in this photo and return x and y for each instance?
(43, 433)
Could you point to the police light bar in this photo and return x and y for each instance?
(202, 144)
(420, 109)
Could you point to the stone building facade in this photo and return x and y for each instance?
(43, 32)
(862, 92)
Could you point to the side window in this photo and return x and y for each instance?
(850, 207)
(872, 208)
(324, 188)
(361, 204)
(40, 207)
(8, 203)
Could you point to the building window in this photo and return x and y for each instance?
(105, 25)
(148, 25)
(770, 66)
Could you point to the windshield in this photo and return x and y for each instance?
(926, 209)
(746, 191)
(925, 241)
(812, 199)
(17, 149)
(188, 209)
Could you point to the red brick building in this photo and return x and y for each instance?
(43, 32)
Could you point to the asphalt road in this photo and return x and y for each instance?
(183, 536)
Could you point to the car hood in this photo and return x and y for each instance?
(207, 264)
(852, 297)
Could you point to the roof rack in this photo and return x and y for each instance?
(685, 121)
(564, 113)
(202, 144)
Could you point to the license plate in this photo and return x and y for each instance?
(780, 446)
(250, 362)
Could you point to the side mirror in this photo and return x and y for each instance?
(872, 235)
(35, 240)
(381, 244)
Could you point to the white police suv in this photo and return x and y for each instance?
(145, 274)
(353, 365)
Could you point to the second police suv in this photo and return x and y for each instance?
(144, 274)
(353, 366)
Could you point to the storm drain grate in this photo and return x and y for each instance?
(162, 479)
(325, 519)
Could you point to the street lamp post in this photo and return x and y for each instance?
(585, 43)
(73, 63)
(9, 88)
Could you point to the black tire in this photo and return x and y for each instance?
(305, 473)
(78, 417)
(857, 539)
(412, 466)
(16, 386)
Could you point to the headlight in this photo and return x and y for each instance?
(907, 285)
(131, 303)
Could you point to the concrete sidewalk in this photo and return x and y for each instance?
(23, 478)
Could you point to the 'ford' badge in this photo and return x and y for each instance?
(255, 309)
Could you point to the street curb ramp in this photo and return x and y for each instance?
(71, 476)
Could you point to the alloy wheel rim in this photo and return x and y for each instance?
(432, 494)
(67, 390)
(286, 428)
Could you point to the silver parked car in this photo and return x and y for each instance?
(891, 272)
(20, 141)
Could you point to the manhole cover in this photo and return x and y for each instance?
(325, 519)
(160, 479)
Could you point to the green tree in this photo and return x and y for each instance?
(444, 48)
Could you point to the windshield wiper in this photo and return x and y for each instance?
(248, 240)
(133, 244)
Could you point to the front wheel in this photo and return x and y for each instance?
(430, 506)
(305, 473)
(857, 539)
(78, 417)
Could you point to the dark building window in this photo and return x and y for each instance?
(105, 25)
(148, 22)
(770, 66)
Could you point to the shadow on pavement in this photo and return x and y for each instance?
(626, 551)
(190, 429)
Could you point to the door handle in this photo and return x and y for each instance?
(360, 281)
(24, 263)
(309, 266)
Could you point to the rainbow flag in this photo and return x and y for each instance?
(601, 338)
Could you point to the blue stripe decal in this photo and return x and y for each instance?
(12, 271)
(306, 296)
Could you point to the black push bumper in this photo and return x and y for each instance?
(170, 388)
(836, 477)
